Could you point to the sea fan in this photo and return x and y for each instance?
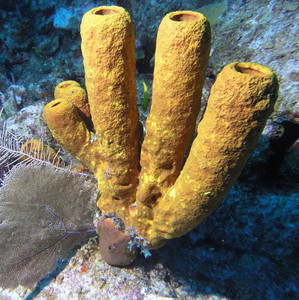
(44, 211)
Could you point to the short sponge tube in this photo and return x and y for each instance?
(67, 127)
(72, 91)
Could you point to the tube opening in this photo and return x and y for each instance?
(105, 11)
(184, 17)
(248, 70)
(64, 85)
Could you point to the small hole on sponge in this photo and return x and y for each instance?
(55, 104)
(112, 247)
(155, 197)
(184, 17)
(105, 11)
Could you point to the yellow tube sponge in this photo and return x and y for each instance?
(239, 105)
(108, 48)
(172, 194)
(181, 58)
(68, 128)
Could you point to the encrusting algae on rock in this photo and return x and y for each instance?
(162, 196)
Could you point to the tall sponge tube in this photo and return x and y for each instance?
(181, 58)
(108, 48)
(239, 105)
